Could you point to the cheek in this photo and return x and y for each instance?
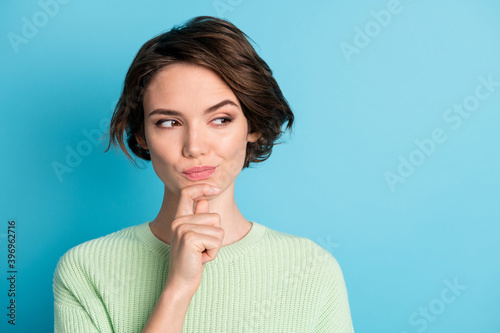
(159, 165)
(161, 148)
(163, 162)
(237, 148)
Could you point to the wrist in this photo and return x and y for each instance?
(178, 290)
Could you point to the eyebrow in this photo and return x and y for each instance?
(211, 109)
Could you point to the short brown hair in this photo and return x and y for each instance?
(217, 45)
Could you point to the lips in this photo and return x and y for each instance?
(199, 173)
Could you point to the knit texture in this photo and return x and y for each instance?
(268, 281)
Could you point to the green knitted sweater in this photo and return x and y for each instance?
(268, 281)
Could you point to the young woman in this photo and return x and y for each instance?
(201, 105)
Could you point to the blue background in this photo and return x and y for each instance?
(358, 115)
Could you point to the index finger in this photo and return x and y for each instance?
(191, 194)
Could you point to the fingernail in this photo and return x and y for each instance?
(214, 189)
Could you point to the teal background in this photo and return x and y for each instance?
(357, 118)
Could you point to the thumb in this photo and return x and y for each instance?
(201, 207)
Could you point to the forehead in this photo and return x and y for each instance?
(186, 86)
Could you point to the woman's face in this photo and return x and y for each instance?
(194, 127)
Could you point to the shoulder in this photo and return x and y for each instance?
(80, 259)
(289, 241)
(305, 251)
(303, 265)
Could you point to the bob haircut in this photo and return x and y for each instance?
(217, 45)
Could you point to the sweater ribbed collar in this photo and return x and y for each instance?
(226, 253)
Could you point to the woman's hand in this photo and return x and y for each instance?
(196, 237)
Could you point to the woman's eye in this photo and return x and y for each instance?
(167, 123)
(222, 121)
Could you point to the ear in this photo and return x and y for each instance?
(141, 141)
(253, 137)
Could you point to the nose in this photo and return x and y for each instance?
(195, 143)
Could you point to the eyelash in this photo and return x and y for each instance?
(227, 120)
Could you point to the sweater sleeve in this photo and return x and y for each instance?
(335, 314)
(76, 305)
(72, 319)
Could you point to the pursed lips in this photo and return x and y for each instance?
(198, 173)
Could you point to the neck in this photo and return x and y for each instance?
(232, 221)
